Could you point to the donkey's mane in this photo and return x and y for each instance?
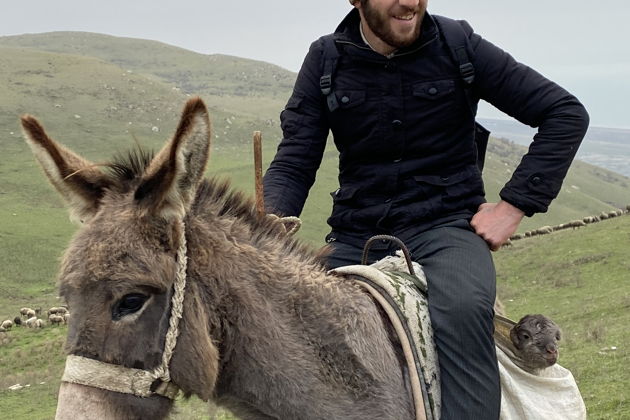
(127, 168)
(216, 196)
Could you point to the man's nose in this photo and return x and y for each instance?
(412, 4)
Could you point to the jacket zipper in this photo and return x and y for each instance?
(364, 47)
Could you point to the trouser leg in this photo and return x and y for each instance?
(462, 286)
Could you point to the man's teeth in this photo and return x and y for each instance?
(406, 17)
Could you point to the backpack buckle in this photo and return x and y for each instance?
(467, 71)
(325, 83)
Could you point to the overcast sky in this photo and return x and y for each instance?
(584, 46)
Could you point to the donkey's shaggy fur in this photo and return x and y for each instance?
(265, 331)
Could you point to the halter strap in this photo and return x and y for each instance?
(84, 371)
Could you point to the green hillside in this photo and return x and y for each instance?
(228, 82)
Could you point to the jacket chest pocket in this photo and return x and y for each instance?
(433, 101)
(357, 117)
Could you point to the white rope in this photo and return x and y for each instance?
(292, 221)
(118, 378)
(177, 307)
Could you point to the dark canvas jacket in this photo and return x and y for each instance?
(405, 133)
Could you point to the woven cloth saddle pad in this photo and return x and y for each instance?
(403, 298)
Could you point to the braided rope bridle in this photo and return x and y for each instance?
(143, 383)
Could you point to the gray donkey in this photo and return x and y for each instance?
(264, 331)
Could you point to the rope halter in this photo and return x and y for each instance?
(84, 371)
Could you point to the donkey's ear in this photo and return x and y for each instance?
(170, 182)
(78, 180)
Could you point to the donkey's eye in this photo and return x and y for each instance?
(128, 304)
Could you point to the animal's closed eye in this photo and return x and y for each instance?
(128, 304)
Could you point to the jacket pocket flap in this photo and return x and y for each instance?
(447, 180)
(344, 193)
(350, 98)
(433, 90)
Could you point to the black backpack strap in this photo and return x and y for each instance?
(330, 56)
(456, 39)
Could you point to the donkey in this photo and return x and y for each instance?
(263, 329)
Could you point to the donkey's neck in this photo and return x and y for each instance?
(292, 337)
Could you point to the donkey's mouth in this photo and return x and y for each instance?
(80, 402)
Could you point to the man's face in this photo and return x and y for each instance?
(394, 22)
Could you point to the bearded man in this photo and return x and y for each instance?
(400, 101)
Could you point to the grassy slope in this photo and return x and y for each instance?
(228, 82)
(580, 279)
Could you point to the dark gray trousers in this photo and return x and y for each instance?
(462, 280)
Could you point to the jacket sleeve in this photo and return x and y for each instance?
(305, 130)
(532, 99)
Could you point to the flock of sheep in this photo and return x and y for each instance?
(29, 318)
(572, 224)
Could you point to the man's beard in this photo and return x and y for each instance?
(381, 26)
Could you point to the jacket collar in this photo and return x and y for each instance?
(348, 32)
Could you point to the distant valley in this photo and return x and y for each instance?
(605, 147)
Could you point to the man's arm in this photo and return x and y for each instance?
(526, 95)
(305, 130)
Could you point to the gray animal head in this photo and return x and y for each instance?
(536, 338)
(117, 275)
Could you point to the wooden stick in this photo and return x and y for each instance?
(260, 200)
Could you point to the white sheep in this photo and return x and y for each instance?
(55, 319)
(25, 311)
(577, 224)
(7, 324)
(57, 310)
(66, 317)
(31, 322)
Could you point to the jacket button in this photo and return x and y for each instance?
(536, 180)
(432, 91)
(396, 123)
(397, 160)
(345, 99)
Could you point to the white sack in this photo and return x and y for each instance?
(552, 394)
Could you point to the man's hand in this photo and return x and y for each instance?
(496, 222)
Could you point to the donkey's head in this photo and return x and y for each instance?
(118, 273)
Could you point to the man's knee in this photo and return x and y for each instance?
(472, 312)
